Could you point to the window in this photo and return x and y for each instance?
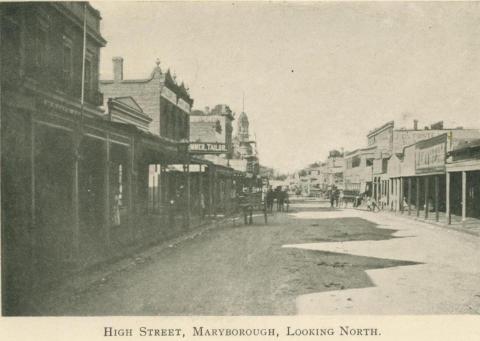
(120, 185)
(355, 161)
(369, 162)
(67, 70)
(218, 127)
(88, 78)
(10, 49)
(36, 44)
(41, 48)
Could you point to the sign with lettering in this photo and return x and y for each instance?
(404, 138)
(169, 95)
(430, 155)
(184, 105)
(207, 148)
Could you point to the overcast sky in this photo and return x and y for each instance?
(316, 76)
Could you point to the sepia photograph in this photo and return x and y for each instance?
(265, 159)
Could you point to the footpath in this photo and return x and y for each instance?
(470, 226)
(96, 275)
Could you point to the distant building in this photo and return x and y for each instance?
(334, 169)
(244, 145)
(358, 169)
(213, 129)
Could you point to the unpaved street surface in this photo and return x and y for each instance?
(446, 279)
(311, 260)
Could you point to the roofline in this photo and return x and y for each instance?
(376, 130)
(360, 150)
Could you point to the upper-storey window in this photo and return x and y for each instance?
(10, 58)
(67, 64)
(41, 42)
(355, 161)
(88, 78)
(37, 43)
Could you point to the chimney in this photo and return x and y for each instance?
(117, 68)
(415, 124)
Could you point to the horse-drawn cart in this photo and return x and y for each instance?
(250, 202)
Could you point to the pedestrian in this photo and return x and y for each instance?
(270, 198)
(281, 200)
(203, 207)
(332, 197)
(287, 199)
(336, 196)
(116, 209)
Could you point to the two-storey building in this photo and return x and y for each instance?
(51, 185)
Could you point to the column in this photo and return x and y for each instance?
(392, 190)
(210, 190)
(426, 196)
(34, 231)
(387, 182)
(131, 190)
(154, 202)
(107, 192)
(436, 197)
(418, 196)
(186, 173)
(75, 200)
(159, 190)
(464, 197)
(447, 197)
(409, 195)
(214, 198)
(164, 183)
(401, 196)
(200, 190)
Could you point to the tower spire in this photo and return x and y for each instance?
(243, 101)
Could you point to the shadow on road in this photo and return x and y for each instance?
(238, 271)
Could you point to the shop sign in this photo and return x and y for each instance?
(58, 107)
(430, 155)
(169, 95)
(184, 105)
(207, 148)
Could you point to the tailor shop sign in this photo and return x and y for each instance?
(430, 155)
(207, 148)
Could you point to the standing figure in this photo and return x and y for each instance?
(286, 199)
(270, 197)
(332, 196)
(336, 195)
(281, 200)
(203, 207)
(116, 210)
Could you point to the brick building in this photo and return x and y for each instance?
(167, 103)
